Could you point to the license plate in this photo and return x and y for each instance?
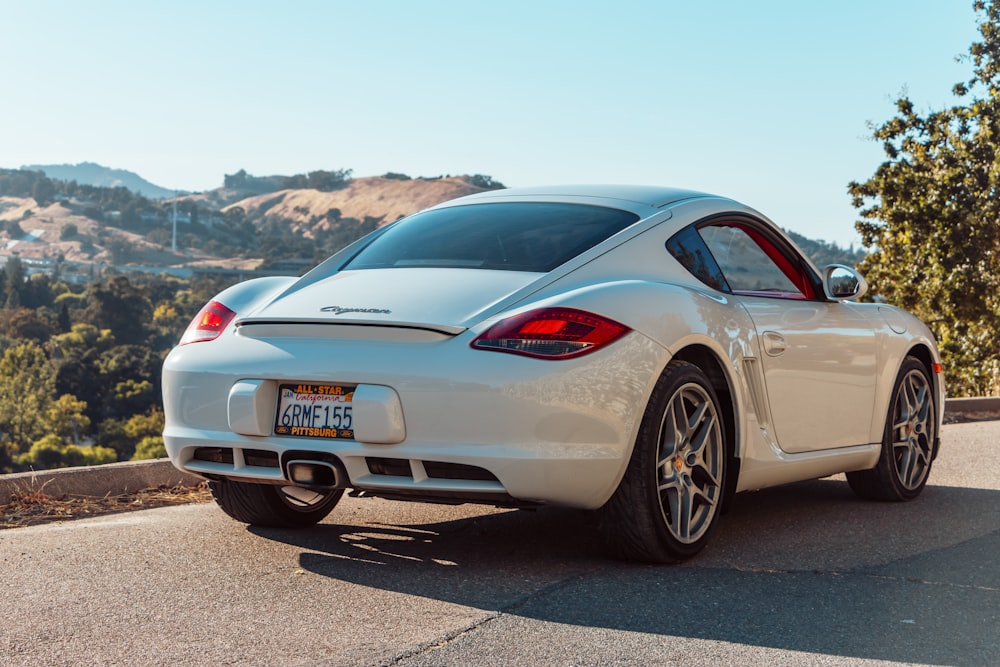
(315, 411)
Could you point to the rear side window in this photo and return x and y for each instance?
(512, 236)
(690, 250)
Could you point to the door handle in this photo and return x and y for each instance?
(774, 343)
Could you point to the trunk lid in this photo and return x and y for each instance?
(447, 300)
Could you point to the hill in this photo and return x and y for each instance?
(273, 223)
(95, 227)
(61, 234)
(823, 253)
(377, 199)
(91, 173)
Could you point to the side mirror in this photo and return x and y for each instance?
(842, 283)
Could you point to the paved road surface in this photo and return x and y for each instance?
(801, 575)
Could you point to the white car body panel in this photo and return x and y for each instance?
(525, 420)
(819, 359)
(548, 431)
(428, 297)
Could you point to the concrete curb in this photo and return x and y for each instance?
(971, 405)
(117, 478)
(96, 481)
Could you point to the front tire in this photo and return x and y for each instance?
(273, 506)
(668, 502)
(908, 440)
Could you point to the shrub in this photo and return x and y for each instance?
(150, 447)
(51, 452)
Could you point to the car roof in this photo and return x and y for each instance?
(633, 197)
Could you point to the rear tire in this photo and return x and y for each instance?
(669, 500)
(273, 506)
(908, 440)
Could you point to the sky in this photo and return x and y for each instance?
(768, 102)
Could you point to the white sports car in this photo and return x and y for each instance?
(645, 352)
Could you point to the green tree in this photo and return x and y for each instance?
(66, 418)
(118, 305)
(931, 214)
(150, 447)
(51, 452)
(127, 434)
(27, 382)
(13, 229)
(77, 355)
(483, 181)
(327, 181)
(27, 323)
(14, 278)
(44, 191)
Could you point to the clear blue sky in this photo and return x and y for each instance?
(767, 101)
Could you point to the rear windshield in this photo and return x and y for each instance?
(510, 236)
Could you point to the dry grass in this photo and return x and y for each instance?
(380, 198)
(34, 506)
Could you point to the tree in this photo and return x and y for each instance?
(65, 418)
(483, 181)
(120, 306)
(125, 435)
(931, 213)
(51, 452)
(27, 323)
(14, 278)
(14, 229)
(44, 191)
(327, 181)
(150, 447)
(27, 382)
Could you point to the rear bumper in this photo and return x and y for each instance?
(482, 426)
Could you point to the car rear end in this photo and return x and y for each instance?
(421, 367)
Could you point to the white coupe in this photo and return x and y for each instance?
(644, 352)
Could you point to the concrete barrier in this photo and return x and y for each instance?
(117, 478)
(96, 481)
(971, 406)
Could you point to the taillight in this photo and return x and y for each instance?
(551, 333)
(208, 324)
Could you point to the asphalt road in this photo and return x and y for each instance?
(800, 575)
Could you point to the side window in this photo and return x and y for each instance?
(690, 250)
(752, 264)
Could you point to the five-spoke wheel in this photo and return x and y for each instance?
(908, 440)
(671, 495)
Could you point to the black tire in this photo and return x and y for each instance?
(908, 440)
(669, 500)
(273, 506)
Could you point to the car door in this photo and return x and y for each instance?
(818, 357)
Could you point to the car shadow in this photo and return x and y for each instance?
(804, 567)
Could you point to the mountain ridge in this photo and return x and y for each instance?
(91, 173)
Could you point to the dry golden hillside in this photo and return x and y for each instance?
(384, 199)
(43, 239)
(372, 198)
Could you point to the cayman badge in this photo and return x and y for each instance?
(340, 310)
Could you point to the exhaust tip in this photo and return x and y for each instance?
(314, 473)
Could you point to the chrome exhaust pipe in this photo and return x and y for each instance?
(317, 474)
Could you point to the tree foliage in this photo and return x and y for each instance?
(51, 452)
(80, 370)
(931, 214)
(27, 385)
